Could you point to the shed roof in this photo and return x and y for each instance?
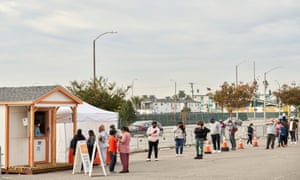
(31, 93)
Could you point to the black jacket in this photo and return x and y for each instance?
(201, 132)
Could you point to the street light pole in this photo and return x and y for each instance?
(94, 52)
(175, 99)
(132, 84)
(236, 85)
(265, 89)
(279, 101)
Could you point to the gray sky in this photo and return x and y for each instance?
(158, 42)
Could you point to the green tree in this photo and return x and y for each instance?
(136, 101)
(181, 94)
(289, 95)
(100, 93)
(232, 97)
(127, 112)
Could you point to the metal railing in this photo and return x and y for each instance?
(140, 143)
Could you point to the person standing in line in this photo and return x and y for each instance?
(292, 129)
(285, 123)
(112, 149)
(103, 143)
(271, 133)
(179, 133)
(215, 135)
(250, 131)
(200, 135)
(90, 143)
(153, 140)
(222, 134)
(278, 126)
(232, 130)
(296, 131)
(124, 149)
(78, 137)
(282, 134)
(113, 127)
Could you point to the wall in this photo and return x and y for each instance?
(2, 132)
(18, 137)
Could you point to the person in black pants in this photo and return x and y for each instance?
(250, 133)
(153, 135)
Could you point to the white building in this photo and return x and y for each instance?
(158, 106)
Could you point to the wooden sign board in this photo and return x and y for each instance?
(82, 158)
(96, 149)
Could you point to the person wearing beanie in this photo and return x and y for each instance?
(215, 134)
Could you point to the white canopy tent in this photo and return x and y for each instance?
(88, 117)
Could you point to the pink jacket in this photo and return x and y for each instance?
(152, 135)
(124, 143)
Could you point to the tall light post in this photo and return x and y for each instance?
(94, 52)
(132, 84)
(254, 97)
(236, 85)
(266, 85)
(279, 101)
(175, 99)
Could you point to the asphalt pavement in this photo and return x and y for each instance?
(243, 164)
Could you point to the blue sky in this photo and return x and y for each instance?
(158, 43)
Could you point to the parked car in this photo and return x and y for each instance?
(140, 127)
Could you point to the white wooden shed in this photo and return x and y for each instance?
(20, 108)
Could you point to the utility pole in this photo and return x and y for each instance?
(192, 86)
(254, 98)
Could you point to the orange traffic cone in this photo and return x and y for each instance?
(240, 146)
(224, 145)
(207, 149)
(254, 142)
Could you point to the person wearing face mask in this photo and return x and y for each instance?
(153, 139)
(232, 130)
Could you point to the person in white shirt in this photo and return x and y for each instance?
(153, 140)
(179, 133)
(103, 142)
(215, 134)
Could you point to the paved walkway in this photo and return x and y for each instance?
(243, 164)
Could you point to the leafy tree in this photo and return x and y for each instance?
(136, 101)
(127, 112)
(152, 97)
(186, 109)
(100, 93)
(181, 94)
(232, 97)
(289, 95)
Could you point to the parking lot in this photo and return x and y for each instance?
(243, 164)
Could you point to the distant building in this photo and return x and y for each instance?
(204, 103)
(157, 106)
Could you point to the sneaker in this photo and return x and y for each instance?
(176, 155)
(148, 159)
(213, 151)
(124, 171)
(197, 157)
(156, 159)
(219, 151)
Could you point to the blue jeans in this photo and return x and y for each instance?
(179, 145)
(113, 161)
(232, 141)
